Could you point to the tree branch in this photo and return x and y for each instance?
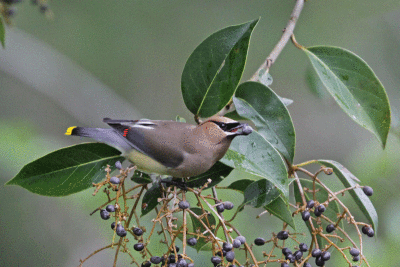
(288, 31)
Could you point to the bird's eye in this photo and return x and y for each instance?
(222, 126)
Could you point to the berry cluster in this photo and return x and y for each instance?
(171, 199)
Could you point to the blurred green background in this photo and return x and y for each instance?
(124, 59)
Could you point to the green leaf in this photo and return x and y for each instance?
(217, 173)
(315, 84)
(214, 69)
(240, 185)
(201, 242)
(261, 105)
(354, 86)
(68, 170)
(321, 196)
(2, 33)
(280, 208)
(362, 200)
(255, 155)
(150, 199)
(141, 177)
(259, 193)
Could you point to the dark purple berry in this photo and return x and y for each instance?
(221, 254)
(191, 241)
(242, 239)
(138, 247)
(184, 205)
(105, 215)
(321, 208)
(137, 231)
(259, 241)
(286, 251)
(146, 264)
(113, 225)
(305, 215)
(282, 235)
(370, 232)
(236, 243)
(227, 246)
(191, 265)
(110, 208)
(176, 248)
(317, 213)
(228, 205)
(118, 165)
(181, 263)
(356, 258)
(307, 264)
(155, 259)
(230, 256)
(171, 258)
(220, 207)
(115, 180)
(319, 261)
(325, 256)
(310, 204)
(354, 252)
(216, 260)
(284, 264)
(303, 247)
(365, 229)
(290, 257)
(330, 228)
(316, 252)
(298, 254)
(120, 230)
(368, 190)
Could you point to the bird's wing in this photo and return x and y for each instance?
(159, 140)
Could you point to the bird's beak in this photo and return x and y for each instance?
(241, 129)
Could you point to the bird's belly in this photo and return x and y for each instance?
(146, 163)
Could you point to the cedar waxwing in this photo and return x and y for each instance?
(168, 147)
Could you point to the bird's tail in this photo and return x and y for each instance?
(108, 136)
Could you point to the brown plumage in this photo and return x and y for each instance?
(169, 147)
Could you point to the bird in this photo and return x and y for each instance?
(163, 147)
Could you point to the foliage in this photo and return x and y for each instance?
(210, 85)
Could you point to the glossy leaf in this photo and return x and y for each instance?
(217, 173)
(315, 84)
(362, 200)
(331, 210)
(201, 242)
(68, 170)
(354, 86)
(2, 33)
(260, 193)
(255, 155)
(271, 117)
(150, 198)
(280, 208)
(141, 177)
(240, 185)
(214, 69)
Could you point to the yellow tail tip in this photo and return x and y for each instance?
(69, 130)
